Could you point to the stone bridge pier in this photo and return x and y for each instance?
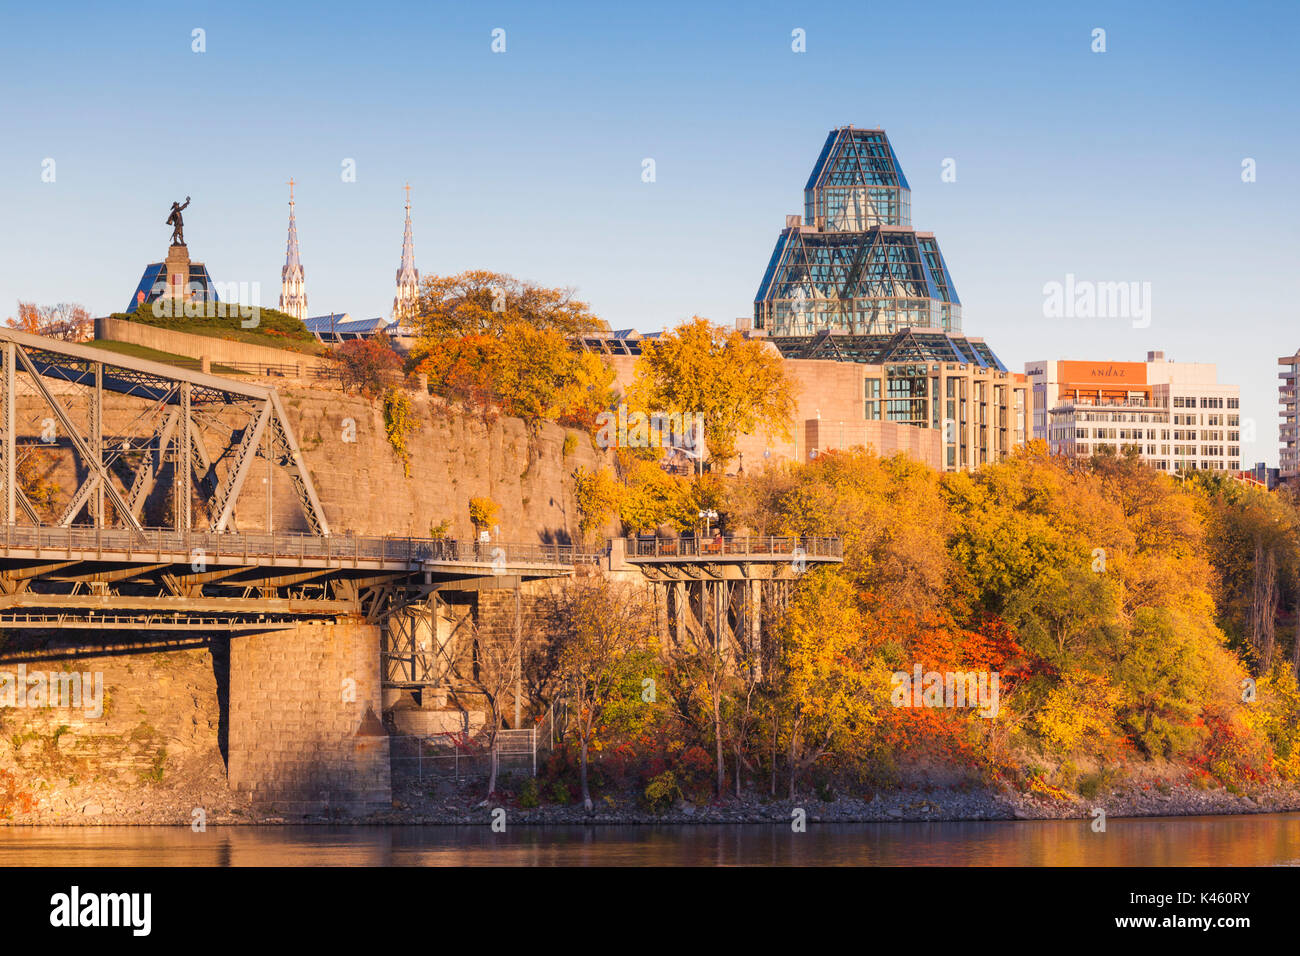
(304, 732)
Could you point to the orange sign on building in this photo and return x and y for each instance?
(1103, 381)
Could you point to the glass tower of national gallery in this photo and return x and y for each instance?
(853, 263)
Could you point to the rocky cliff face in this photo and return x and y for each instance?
(361, 479)
(453, 457)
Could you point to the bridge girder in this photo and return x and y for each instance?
(169, 391)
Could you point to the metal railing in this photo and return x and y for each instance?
(332, 549)
(306, 369)
(737, 546)
(175, 621)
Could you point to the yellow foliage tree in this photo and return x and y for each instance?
(491, 341)
(738, 384)
(483, 512)
(483, 302)
(598, 494)
(830, 688)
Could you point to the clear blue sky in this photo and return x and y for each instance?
(1115, 166)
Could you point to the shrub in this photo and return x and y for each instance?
(558, 793)
(398, 423)
(483, 512)
(663, 791)
(529, 794)
(1091, 784)
(13, 799)
(825, 790)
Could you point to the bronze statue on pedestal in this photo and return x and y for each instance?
(177, 223)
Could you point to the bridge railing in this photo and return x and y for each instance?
(735, 546)
(334, 548)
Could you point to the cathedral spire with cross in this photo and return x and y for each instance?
(293, 290)
(408, 277)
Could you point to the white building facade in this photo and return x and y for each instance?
(1176, 414)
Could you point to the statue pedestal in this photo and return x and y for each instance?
(178, 272)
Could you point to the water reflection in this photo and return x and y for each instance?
(1187, 841)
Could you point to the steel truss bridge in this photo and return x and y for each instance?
(97, 563)
(189, 450)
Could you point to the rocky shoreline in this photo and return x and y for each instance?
(933, 805)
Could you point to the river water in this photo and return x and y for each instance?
(1263, 840)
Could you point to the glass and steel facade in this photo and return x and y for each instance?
(853, 262)
(153, 284)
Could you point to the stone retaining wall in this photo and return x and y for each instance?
(217, 351)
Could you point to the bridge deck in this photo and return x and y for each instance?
(160, 546)
(746, 548)
(161, 579)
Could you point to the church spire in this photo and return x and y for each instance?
(293, 291)
(408, 277)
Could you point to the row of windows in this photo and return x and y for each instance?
(1206, 401)
(1114, 417)
(1059, 433)
(1181, 461)
(1190, 465)
(1208, 435)
(1211, 420)
(1183, 450)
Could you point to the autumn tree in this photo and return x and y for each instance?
(33, 471)
(888, 512)
(479, 302)
(525, 372)
(597, 493)
(700, 678)
(738, 384)
(483, 512)
(830, 691)
(652, 497)
(492, 671)
(602, 639)
(493, 342)
(1101, 568)
(1253, 540)
(66, 321)
(368, 366)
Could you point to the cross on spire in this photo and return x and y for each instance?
(290, 190)
(408, 277)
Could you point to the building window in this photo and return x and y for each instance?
(872, 404)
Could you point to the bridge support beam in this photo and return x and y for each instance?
(305, 737)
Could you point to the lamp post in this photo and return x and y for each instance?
(706, 517)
